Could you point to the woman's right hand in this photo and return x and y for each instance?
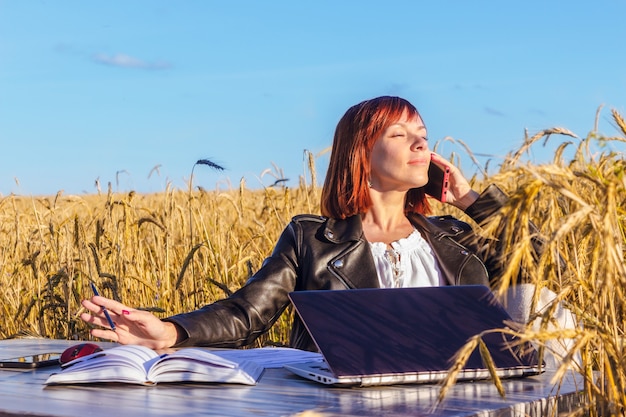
(135, 327)
(460, 194)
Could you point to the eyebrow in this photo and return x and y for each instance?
(403, 124)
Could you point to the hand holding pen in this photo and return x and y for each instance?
(131, 326)
(104, 309)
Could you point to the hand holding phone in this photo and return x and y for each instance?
(438, 181)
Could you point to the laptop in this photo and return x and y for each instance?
(406, 335)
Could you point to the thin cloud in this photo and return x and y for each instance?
(127, 61)
(398, 88)
(537, 112)
(494, 112)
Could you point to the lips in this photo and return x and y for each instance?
(419, 161)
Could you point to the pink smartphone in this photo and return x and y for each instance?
(438, 181)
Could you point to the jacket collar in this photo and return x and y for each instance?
(344, 230)
(438, 226)
(351, 228)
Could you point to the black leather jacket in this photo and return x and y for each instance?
(318, 253)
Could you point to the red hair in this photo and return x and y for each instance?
(346, 190)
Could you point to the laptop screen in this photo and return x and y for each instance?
(388, 331)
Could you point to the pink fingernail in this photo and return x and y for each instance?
(125, 312)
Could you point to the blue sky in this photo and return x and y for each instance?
(132, 93)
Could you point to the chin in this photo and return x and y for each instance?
(421, 184)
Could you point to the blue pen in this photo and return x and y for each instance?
(104, 310)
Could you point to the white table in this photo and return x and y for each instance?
(278, 393)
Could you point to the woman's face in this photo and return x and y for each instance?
(400, 156)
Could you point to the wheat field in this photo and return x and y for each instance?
(176, 250)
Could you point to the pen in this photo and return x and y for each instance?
(104, 310)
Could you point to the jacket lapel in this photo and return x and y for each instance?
(354, 264)
(452, 257)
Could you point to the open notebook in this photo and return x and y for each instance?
(405, 335)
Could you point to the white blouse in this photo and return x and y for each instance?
(410, 263)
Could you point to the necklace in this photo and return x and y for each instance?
(396, 267)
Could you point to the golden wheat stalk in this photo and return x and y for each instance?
(619, 120)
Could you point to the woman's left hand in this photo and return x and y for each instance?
(459, 193)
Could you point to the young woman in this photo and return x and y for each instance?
(373, 232)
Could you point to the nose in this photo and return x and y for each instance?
(420, 143)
